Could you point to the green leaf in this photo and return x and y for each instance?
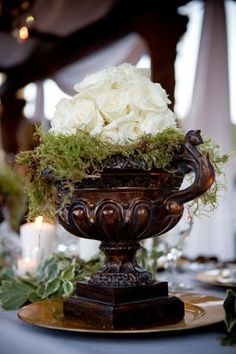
(52, 271)
(230, 319)
(14, 294)
(41, 289)
(33, 296)
(45, 264)
(57, 277)
(59, 293)
(7, 274)
(64, 263)
(68, 287)
(42, 273)
(230, 310)
(228, 340)
(68, 273)
(51, 287)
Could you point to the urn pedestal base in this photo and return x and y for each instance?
(124, 308)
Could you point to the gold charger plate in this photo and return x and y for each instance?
(200, 310)
(215, 277)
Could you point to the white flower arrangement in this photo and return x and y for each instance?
(117, 112)
(120, 104)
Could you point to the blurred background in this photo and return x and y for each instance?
(190, 47)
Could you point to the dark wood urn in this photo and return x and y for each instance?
(127, 204)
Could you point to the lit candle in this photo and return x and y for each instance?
(37, 239)
(26, 265)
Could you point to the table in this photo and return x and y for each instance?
(22, 338)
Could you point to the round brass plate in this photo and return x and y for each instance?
(214, 277)
(200, 310)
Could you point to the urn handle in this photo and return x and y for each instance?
(191, 159)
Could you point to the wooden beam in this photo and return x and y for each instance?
(152, 19)
(57, 53)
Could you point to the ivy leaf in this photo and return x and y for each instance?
(49, 268)
(52, 271)
(59, 293)
(41, 289)
(64, 263)
(51, 287)
(56, 277)
(33, 296)
(230, 310)
(68, 273)
(230, 319)
(45, 264)
(7, 273)
(14, 294)
(68, 287)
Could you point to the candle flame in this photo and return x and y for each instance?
(39, 221)
(23, 33)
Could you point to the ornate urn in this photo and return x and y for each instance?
(127, 204)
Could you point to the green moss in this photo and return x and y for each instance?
(81, 155)
(11, 187)
(209, 200)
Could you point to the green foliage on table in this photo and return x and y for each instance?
(56, 277)
(230, 319)
(81, 155)
(14, 293)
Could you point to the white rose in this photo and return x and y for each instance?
(62, 114)
(149, 97)
(157, 122)
(121, 103)
(74, 114)
(108, 79)
(113, 104)
(133, 72)
(94, 83)
(123, 130)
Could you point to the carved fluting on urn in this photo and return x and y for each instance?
(115, 220)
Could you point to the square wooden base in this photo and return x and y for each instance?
(120, 308)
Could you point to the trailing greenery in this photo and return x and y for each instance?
(79, 156)
(230, 319)
(209, 200)
(56, 278)
(12, 190)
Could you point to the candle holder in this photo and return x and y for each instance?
(129, 203)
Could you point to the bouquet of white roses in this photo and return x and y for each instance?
(117, 112)
(120, 104)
